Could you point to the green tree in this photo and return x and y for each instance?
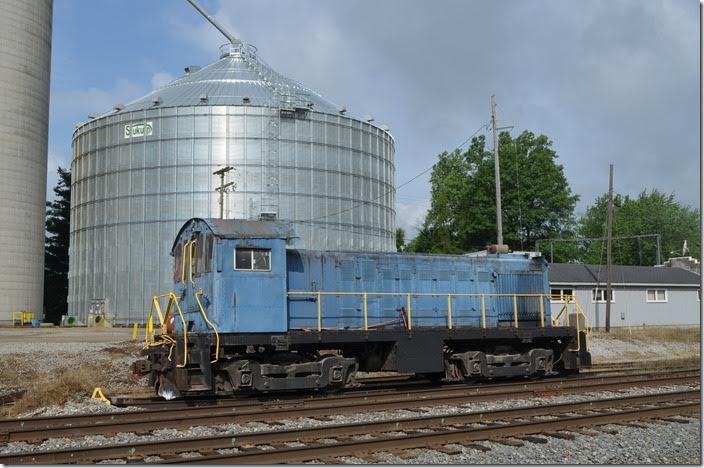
(400, 239)
(537, 201)
(56, 249)
(651, 212)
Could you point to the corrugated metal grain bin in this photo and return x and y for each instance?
(25, 63)
(141, 171)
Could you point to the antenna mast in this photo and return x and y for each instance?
(214, 22)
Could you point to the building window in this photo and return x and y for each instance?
(561, 295)
(252, 259)
(656, 295)
(599, 295)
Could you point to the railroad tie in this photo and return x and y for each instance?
(533, 439)
(404, 454)
(583, 431)
(476, 446)
(676, 420)
(560, 435)
(369, 457)
(606, 431)
(446, 449)
(633, 424)
(509, 442)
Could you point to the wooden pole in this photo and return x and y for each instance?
(609, 227)
(497, 173)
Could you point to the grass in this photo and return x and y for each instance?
(56, 388)
(681, 335)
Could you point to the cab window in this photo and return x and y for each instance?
(209, 253)
(177, 263)
(252, 259)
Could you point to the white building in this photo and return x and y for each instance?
(641, 295)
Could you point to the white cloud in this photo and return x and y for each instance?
(410, 214)
(55, 158)
(161, 78)
(75, 105)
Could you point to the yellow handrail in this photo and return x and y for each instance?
(174, 300)
(190, 262)
(205, 317)
(183, 262)
(555, 320)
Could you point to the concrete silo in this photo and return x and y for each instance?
(142, 170)
(25, 61)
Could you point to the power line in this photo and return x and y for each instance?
(485, 126)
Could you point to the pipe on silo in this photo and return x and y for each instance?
(25, 62)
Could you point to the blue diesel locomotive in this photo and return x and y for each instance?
(251, 313)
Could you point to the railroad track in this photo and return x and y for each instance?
(243, 411)
(510, 426)
(390, 383)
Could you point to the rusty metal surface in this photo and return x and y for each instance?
(44, 428)
(268, 437)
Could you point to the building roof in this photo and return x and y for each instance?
(237, 75)
(576, 273)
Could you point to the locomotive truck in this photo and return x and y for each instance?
(251, 313)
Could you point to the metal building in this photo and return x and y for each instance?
(144, 169)
(25, 61)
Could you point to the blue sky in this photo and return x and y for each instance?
(606, 81)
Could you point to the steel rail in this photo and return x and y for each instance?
(148, 420)
(423, 388)
(439, 438)
(143, 449)
(365, 397)
(403, 382)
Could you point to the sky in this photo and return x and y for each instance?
(607, 81)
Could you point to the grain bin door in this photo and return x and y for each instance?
(259, 276)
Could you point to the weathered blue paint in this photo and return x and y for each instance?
(256, 301)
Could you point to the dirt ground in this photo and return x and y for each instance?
(60, 367)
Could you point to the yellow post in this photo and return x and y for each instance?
(150, 329)
(408, 306)
(134, 332)
(542, 311)
(449, 311)
(515, 311)
(320, 319)
(364, 299)
(567, 309)
(483, 312)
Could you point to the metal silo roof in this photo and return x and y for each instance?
(239, 74)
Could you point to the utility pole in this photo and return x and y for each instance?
(609, 226)
(222, 188)
(497, 173)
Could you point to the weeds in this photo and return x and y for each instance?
(682, 335)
